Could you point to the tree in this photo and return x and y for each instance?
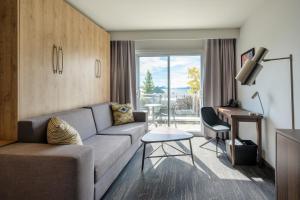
(194, 80)
(148, 83)
(194, 83)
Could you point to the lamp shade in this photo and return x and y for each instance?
(251, 68)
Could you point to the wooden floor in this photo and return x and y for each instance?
(211, 178)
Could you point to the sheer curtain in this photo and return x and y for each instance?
(219, 85)
(123, 72)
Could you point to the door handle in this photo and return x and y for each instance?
(54, 59)
(96, 68)
(99, 69)
(61, 66)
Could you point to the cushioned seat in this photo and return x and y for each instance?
(91, 168)
(107, 150)
(134, 130)
(221, 128)
(104, 123)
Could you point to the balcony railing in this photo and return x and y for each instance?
(184, 109)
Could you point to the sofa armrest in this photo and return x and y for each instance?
(140, 116)
(43, 171)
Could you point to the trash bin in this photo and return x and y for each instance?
(245, 152)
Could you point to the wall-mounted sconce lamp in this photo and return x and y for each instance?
(251, 69)
(256, 94)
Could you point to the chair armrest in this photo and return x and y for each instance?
(44, 171)
(140, 116)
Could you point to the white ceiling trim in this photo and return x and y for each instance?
(176, 34)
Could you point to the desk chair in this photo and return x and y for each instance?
(211, 120)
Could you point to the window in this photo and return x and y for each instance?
(169, 90)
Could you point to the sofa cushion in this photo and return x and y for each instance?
(122, 113)
(82, 120)
(134, 130)
(102, 115)
(107, 150)
(60, 132)
(35, 129)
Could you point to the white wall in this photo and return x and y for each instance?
(275, 26)
(170, 46)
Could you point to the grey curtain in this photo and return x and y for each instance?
(123, 72)
(219, 85)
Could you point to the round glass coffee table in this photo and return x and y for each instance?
(162, 135)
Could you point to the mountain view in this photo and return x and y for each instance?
(157, 68)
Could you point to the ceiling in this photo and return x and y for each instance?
(120, 15)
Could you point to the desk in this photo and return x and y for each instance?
(236, 115)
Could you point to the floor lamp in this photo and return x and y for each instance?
(251, 69)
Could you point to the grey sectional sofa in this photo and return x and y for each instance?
(33, 169)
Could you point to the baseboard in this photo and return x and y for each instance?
(269, 167)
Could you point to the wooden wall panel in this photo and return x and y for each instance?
(86, 88)
(8, 68)
(69, 81)
(287, 168)
(96, 82)
(90, 85)
(105, 78)
(55, 22)
(40, 29)
(28, 86)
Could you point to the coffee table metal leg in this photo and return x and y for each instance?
(144, 150)
(162, 147)
(191, 148)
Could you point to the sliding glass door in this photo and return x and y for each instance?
(169, 90)
(153, 88)
(185, 92)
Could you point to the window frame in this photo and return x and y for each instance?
(167, 54)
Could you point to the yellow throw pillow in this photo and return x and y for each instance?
(60, 132)
(122, 113)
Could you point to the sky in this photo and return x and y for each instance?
(158, 67)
